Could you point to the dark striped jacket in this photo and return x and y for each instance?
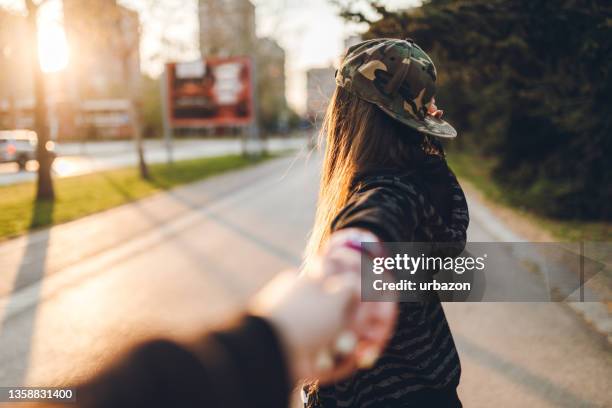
(420, 367)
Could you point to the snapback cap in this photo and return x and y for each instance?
(400, 78)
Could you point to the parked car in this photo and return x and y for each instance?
(19, 146)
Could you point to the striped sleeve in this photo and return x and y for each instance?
(393, 209)
(450, 237)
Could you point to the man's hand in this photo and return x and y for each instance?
(327, 331)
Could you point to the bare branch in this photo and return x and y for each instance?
(33, 7)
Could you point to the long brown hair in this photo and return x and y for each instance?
(357, 137)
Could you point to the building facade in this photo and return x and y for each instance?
(104, 42)
(351, 40)
(227, 27)
(270, 70)
(320, 85)
(89, 99)
(15, 68)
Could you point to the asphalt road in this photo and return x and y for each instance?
(81, 158)
(74, 296)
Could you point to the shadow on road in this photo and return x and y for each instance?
(267, 246)
(30, 274)
(522, 376)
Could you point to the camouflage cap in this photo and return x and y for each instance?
(399, 77)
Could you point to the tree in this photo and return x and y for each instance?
(44, 185)
(127, 50)
(526, 82)
(151, 107)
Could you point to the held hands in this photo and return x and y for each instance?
(327, 331)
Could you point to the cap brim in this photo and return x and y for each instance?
(437, 127)
(431, 126)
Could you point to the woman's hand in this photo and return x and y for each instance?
(371, 323)
(327, 332)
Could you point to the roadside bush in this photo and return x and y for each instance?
(528, 82)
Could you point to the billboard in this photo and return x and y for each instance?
(208, 93)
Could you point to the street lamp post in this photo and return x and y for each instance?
(168, 134)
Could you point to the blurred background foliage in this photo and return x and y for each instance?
(527, 85)
(151, 107)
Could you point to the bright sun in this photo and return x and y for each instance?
(52, 45)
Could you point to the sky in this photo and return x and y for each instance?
(310, 31)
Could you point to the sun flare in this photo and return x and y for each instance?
(52, 45)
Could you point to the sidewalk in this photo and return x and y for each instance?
(510, 227)
(54, 249)
(109, 148)
(76, 159)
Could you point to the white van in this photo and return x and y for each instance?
(18, 146)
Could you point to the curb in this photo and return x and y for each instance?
(597, 317)
(594, 314)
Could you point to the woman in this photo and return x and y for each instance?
(384, 172)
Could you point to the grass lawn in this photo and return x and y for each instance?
(87, 194)
(478, 172)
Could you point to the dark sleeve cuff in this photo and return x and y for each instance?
(158, 373)
(257, 372)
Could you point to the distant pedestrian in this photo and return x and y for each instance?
(384, 172)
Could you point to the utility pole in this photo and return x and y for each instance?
(253, 132)
(168, 134)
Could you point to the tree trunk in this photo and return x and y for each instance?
(137, 133)
(44, 188)
(134, 113)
